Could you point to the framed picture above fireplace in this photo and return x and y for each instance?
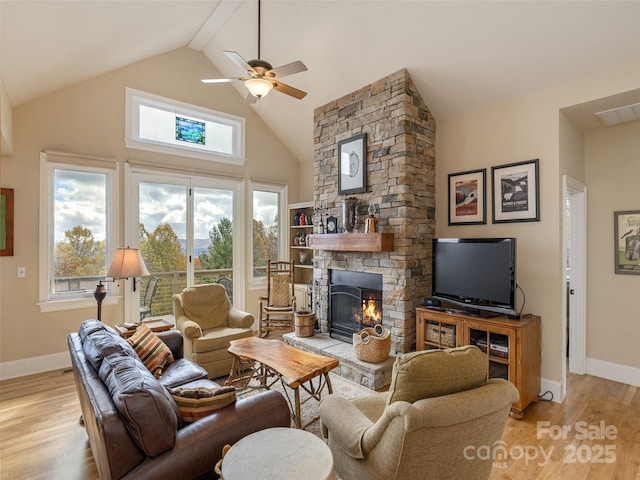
(352, 165)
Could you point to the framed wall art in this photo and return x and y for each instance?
(515, 189)
(626, 228)
(467, 198)
(352, 165)
(6, 222)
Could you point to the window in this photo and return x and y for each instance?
(77, 234)
(268, 211)
(163, 125)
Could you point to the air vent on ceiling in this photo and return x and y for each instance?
(615, 116)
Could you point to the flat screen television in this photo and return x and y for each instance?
(478, 274)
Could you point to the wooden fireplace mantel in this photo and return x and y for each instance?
(352, 242)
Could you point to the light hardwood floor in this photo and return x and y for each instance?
(40, 437)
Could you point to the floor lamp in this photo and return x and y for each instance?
(126, 263)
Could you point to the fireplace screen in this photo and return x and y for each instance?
(355, 302)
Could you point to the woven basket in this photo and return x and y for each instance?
(371, 346)
(441, 334)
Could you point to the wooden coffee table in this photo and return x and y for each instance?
(270, 361)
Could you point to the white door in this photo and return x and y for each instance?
(184, 226)
(575, 234)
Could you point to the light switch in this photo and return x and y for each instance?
(22, 272)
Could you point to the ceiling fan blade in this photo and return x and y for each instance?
(294, 92)
(218, 80)
(288, 69)
(237, 59)
(250, 99)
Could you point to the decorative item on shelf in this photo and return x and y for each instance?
(296, 219)
(305, 257)
(127, 263)
(296, 241)
(320, 212)
(302, 240)
(332, 224)
(349, 207)
(372, 344)
(303, 219)
(371, 225)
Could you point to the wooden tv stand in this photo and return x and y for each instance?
(515, 346)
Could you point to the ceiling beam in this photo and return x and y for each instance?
(213, 24)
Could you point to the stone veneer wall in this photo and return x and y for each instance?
(401, 180)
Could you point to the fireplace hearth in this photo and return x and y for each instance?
(355, 302)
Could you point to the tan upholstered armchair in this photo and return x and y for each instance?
(438, 411)
(208, 323)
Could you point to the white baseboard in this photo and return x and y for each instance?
(613, 371)
(551, 386)
(29, 366)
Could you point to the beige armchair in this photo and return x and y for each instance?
(208, 323)
(438, 411)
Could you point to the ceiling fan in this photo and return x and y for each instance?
(261, 77)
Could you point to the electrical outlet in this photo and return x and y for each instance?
(22, 272)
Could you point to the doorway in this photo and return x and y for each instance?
(184, 226)
(574, 285)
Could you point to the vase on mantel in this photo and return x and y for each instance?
(349, 207)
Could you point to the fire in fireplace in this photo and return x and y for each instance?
(355, 301)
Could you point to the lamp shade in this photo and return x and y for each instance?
(127, 263)
(258, 87)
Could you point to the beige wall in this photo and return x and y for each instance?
(88, 118)
(527, 128)
(612, 159)
(571, 150)
(518, 131)
(306, 182)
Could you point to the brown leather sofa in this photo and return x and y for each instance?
(134, 426)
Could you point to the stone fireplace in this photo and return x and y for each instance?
(401, 181)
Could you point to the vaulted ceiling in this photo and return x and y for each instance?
(461, 54)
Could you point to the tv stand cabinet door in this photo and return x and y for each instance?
(523, 355)
(427, 318)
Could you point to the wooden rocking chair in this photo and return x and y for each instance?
(278, 307)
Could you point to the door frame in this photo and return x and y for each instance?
(190, 180)
(578, 275)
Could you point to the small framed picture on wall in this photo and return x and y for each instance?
(515, 189)
(626, 228)
(352, 165)
(467, 198)
(6, 222)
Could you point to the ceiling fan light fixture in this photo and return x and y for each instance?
(258, 87)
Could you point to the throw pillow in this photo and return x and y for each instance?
(153, 352)
(198, 402)
(433, 373)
